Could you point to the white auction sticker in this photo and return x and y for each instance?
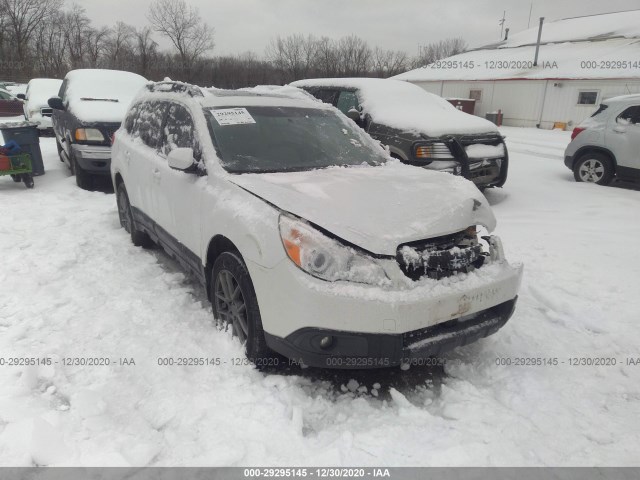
(233, 116)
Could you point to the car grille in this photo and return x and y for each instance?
(46, 112)
(439, 257)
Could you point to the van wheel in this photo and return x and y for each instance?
(593, 168)
(236, 305)
(138, 238)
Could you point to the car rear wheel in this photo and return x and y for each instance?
(593, 168)
(236, 305)
(138, 238)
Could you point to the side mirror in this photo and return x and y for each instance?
(181, 159)
(623, 121)
(21, 96)
(353, 114)
(56, 103)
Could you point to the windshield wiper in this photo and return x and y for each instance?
(87, 99)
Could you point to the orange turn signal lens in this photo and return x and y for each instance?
(292, 246)
(81, 135)
(423, 151)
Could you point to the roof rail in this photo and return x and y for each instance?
(170, 86)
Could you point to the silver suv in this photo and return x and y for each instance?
(607, 144)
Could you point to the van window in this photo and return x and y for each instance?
(346, 101)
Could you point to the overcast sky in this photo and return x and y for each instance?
(242, 25)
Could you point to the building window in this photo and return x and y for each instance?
(476, 95)
(587, 98)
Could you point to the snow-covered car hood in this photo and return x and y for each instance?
(376, 208)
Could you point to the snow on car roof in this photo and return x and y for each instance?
(42, 89)
(406, 106)
(623, 98)
(262, 95)
(102, 95)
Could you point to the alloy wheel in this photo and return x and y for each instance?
(591, 171)
(230, 304)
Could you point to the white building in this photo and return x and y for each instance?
(581, 62)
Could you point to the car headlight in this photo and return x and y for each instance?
(89, 135)
(326, 258)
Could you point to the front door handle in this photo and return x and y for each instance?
(157, 175)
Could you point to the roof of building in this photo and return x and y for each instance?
(604, 46)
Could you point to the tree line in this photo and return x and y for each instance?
(43, 38)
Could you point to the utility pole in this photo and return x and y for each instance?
(501, 23)
(535, 60)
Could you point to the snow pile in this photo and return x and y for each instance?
(102, 95)
(73, 286)
(407, 107)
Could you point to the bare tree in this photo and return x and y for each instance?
(119, 45)
(183, 25)
(326, 58)
(294, 55)
(355, 56)
(146, 50)
(436, 51)
(387, 63)
(22, 18)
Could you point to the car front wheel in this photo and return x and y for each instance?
(593, 168)
(236, 305)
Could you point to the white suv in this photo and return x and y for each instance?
(311, 241)
(607, 144)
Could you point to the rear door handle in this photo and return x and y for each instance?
(157, 175)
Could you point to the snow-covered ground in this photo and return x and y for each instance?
(72, 285)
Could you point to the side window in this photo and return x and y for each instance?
(144, 121)
(131, 121)
(327, 96)
(631, 115)
(179, 130)
(150, 123)
(346, 101)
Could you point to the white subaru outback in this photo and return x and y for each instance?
(311, 241)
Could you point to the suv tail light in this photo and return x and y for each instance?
(576, 132)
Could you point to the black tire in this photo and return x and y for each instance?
(594, 168)
(234, 300)
(16, 178)
(138, 238)
(27, 178)
(84, 180)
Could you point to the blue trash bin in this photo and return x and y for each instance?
(25, 134)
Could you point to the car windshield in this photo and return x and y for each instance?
(285, 139)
